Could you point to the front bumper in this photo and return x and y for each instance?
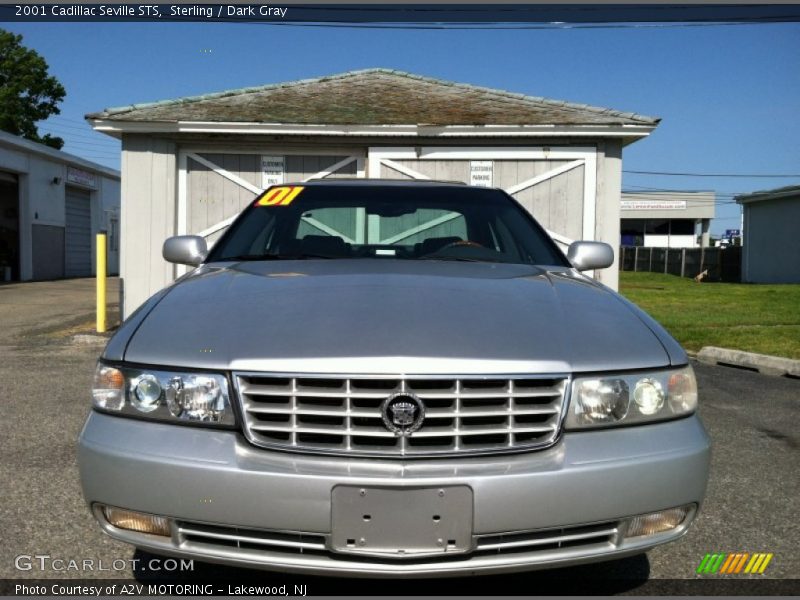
(233, 503)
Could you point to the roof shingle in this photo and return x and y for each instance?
(373, 97)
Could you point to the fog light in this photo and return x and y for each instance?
(657, 522)
(136, 521)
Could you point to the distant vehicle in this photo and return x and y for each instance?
(387, 379)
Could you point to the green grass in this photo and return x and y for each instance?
(754, 318)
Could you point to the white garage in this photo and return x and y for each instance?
(204, 158)
(51, 206)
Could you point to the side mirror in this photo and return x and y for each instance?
(185, 250)
(586, 256)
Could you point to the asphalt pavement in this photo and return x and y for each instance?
(751, 505)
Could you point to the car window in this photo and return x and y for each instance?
(402, 222)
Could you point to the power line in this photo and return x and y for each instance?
(85, 128)
(84, 145)
(92, 150)
(91, 145)
(661, 189)
(646, 190)
(491, 27)
(677, 174)
(507, 9)
(90, 135)
(511, 25)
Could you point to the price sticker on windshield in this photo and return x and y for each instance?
(280, 196)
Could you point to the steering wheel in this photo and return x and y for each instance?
(468, 243)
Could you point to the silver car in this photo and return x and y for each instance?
(392, 379)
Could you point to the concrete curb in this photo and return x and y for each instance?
(763, 363)
(90, 339)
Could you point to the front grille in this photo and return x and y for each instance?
(343, 415)
(552, 543)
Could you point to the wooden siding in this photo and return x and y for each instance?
(212, 198)
(148, 209)
(607, 204)
(299, 168)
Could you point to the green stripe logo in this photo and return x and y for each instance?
(723, 563)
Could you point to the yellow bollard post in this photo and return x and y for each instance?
(101, 282)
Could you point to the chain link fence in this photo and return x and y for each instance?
(721, 264)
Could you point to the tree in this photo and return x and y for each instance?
(27, 92)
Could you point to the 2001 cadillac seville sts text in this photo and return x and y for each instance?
(392, 378)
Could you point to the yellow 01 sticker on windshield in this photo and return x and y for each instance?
(280, 196)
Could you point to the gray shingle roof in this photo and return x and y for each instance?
(788, 191)
(373, 97)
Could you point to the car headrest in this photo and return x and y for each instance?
(325, 245)
(290, 247)
(432, 245)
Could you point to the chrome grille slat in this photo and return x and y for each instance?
(258, 390)
(237, 537)
(553, 539)
(463, 432)
(226, 536)
(342, 414)
(375, 414)
(326, 430)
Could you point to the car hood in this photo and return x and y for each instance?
(392, 316)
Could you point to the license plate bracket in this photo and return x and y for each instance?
(401, 522)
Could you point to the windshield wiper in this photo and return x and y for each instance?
(268, 256)
(453, 258)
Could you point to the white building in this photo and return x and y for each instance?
(666, 219)
(51, 206)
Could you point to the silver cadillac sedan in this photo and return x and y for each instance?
(392, 379)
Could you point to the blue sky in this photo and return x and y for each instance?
(729, 96)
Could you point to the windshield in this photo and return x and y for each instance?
(391, 222)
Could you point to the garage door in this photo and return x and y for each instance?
(219, 186)
(78, 234)
(556, 185)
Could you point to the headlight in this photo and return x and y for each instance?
(649, 396)
(146, 393)
(601, 400)
(163, 395)
(623, 399)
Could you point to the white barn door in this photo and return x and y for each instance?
(557, 185)
(213, 188)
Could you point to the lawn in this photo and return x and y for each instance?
(750, 317)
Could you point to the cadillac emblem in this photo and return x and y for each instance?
(403, 413)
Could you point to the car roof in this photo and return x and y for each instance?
(365, 182)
